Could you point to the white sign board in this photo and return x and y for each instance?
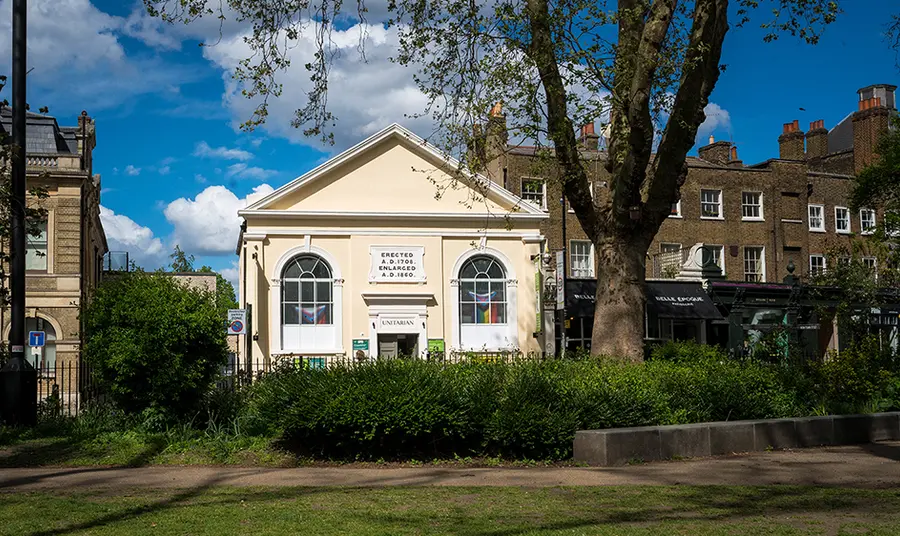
(398, 324)
(397, 264)
(237, 321)
(560, 279)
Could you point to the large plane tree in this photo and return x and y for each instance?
(644, 67)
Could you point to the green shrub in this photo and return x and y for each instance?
(155, 345)
(681, 351)
(395, 409)
(860, 378)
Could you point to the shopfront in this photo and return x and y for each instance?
(384, 250)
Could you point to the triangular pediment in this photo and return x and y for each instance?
(393, 171)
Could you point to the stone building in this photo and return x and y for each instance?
(64, 263)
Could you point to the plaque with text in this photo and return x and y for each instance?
(397, 264)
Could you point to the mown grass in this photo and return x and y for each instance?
(456, 511)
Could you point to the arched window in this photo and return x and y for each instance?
(482, 292)
(46, 361)
(307, 303)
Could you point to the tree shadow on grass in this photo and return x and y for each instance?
(63, 450)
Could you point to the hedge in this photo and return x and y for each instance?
(398, 409)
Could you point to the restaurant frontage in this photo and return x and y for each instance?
(742, 317)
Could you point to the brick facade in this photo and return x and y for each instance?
(807, 173)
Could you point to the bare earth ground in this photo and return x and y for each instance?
(874, 465)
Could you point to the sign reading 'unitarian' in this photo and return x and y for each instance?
(397, 264)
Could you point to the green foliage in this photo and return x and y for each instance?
(680, 351)
(181, 261)
(225, 297)
(529, 409)
(862, 376)
(155, 344)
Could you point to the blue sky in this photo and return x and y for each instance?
(175, 167)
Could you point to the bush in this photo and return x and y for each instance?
(155, 344)
(859, 379)
(397, 409)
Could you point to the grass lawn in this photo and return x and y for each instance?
(471, 511)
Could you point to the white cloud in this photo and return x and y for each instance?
(200, 178)
(231, 274)
(353, 83)
(243, 171)
(203, 150)
(717, 120)
(165, 170)
(209, 224)
(76, 38)
(124, 234)
(132, 171)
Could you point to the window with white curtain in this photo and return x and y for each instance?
(817, 218)
(751, 206)
(754, 264)
(581, 258)
(841, 220)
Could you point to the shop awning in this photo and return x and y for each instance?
(675, 299)
(679, 299)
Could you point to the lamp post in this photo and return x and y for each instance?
(19, 378)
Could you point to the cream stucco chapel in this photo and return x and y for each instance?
(362, 257)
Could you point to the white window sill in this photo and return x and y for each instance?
(817, 230)
(753, 219)
(838, 231)
(305, 353)
(784, 220)
(677, 217)
(588, 277)
(867, 233)
(713, 218)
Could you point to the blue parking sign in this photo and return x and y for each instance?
(36, 338)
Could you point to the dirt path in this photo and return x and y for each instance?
(874, 465)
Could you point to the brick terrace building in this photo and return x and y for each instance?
(756, 218)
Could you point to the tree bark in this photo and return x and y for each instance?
(619, 314)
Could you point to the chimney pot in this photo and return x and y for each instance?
(734, 152)
(497, 109)
(712, 139)
(587, 129)
(796, 124)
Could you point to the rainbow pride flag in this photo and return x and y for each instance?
(315, 316)
(484, 313)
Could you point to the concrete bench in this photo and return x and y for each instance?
(618, 446)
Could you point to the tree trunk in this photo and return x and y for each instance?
(619, 314)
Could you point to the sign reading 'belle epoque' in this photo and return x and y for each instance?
(397, 264)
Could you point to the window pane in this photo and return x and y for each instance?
(291, 291)
(308, 314)
(292, 271)
(498, 290)
(468, 271)
(307, 290)
(481, 289)
(324, 312)
(467, 313)
(482, 264)
(307, 263)
(321, 270)
(467, 291)
(36, 257)
(323, 291)
(290, 315)
(498, 313)
(495, 271)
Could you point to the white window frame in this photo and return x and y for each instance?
(543, 205)
(862, 227)
(721, 250)
(590, 259)
(677, 209)
(761, 216)
(721, 207)
(824, 264)
(37, 249)
(847, 218)
(504, 340)
(677, 249)
(762, 261)
(809, 218)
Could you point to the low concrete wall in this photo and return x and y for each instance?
(618, 446)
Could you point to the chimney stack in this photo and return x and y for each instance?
(496, 138)
(717, 152)
(790, 143)
(871, 121)
(817, 140)
(734, 162)
(589, 139)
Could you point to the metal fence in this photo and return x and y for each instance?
(65, 388)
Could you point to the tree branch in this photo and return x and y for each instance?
(699, 77)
